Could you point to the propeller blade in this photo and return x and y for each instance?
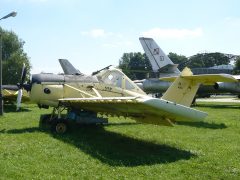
(23, 75)
(19, 99)
(21, 86)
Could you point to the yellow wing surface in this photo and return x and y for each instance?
(11, 95)
(142, 109)
(206, 79)
(185, 86)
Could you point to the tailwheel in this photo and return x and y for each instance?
(60, 126)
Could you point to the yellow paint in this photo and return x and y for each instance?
(182, 91)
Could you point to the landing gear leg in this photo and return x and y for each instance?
(59, 124)
(46, 120)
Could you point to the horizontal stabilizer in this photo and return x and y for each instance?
(205, 79)
(170, 68)
(185, 86)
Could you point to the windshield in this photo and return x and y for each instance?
(113, 78)
(117, 78)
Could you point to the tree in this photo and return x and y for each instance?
(178, 59)
(237, 66)
(208, 60)
(135, 65)
(13, 57)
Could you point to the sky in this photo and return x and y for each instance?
(93, 34)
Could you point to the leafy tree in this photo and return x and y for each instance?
(237, 66)
(13, 57)
(135, 65)
(207, 60)
(178, 59)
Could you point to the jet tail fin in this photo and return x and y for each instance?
(184, 87)
(157, 57)
(68, 68)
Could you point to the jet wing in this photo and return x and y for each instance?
(142, 109)
(206, 79)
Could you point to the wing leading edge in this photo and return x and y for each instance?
(142, 109)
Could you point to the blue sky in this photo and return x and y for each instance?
(94, 34)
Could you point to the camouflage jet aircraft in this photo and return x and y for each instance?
(163, 67)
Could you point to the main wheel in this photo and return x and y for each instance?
(60, 126)
(44, 121)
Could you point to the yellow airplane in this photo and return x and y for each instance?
(110, 92)
(10, 94)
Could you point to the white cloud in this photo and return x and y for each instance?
(27, 1)
(99, 33)
(232, 21)
(110, 39)
(96, 33)
(172, 33)
(117, 44)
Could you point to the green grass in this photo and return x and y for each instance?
(123, 149)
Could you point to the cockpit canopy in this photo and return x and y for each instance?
(115, 77)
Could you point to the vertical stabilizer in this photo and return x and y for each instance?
(182, 90)
(68, 68)
(157, 57)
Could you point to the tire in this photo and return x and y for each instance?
(44, 121)
(60, 126)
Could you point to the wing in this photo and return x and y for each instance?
(10, 87)
(11, 95)
(206, 79)
(147, 109)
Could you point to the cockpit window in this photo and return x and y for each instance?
(114, 78)
(128, 85)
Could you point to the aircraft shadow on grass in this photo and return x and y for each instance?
(116, 149)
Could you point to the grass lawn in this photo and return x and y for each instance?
(123, 149)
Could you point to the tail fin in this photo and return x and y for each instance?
(68, 68)
(158, 59)
(184, 87)
(182, 91)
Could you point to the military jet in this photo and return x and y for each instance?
(109, 92)
(163, 67)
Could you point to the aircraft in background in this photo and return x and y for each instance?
(10, 95)
(162, 66)
(110, 92)
(68, 68)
